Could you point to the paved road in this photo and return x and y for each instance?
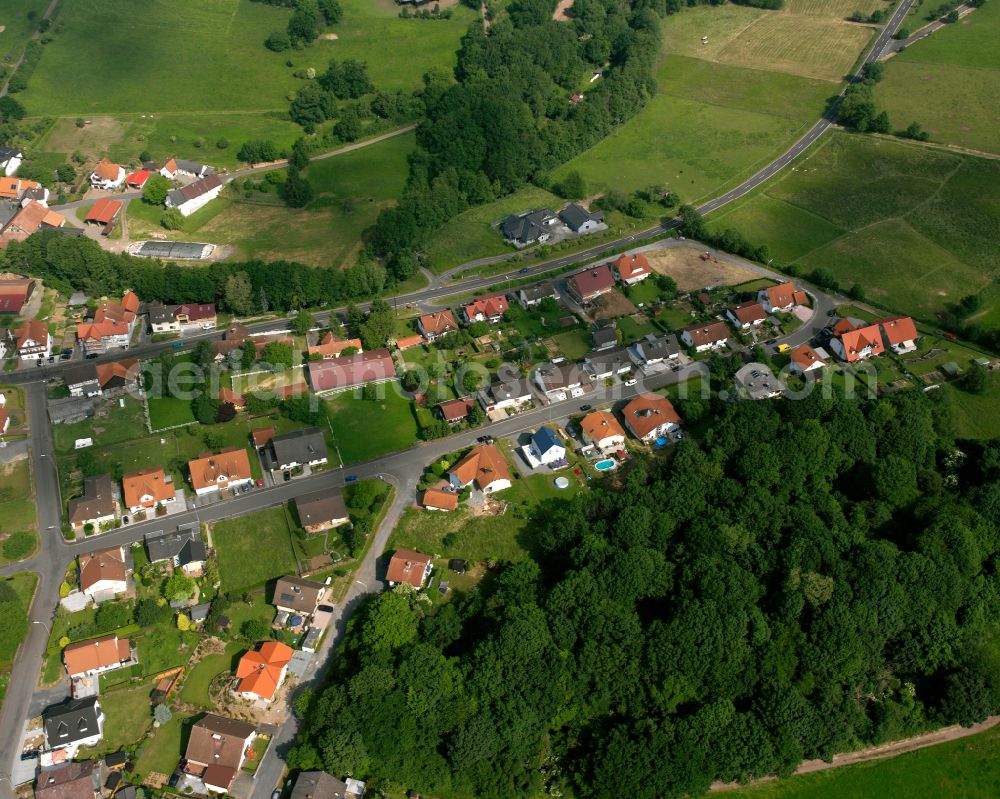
(898, 44)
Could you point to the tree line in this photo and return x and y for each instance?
(811, 577)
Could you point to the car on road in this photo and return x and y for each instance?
(587, 407)
(174, 779)
(65, 356)
(784, 348)
(276, 794)
(125, 520)
(351, 478)
(523, 270)
(92, 355)
(832, 312)
(485, 439)
(179, 345)
(631, 381)
(286, 476)
(771, 341)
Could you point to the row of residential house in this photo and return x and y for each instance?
(187, 199)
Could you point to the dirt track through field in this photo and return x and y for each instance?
(882, 752)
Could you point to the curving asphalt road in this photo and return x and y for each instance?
(400, 468)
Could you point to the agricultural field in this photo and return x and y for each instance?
(919, 233)
(350, 190)
(964, 768)
(949, 82)
(238, 543)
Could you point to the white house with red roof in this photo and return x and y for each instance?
(107, 175)
(901, 333)
(856, 343)
(486, 309)
(781, 298)
(805, 359)
(747, 315)
(632, 269)
(435, 325)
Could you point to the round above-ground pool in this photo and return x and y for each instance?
(603, 466)
(661, 442)
(561, 482)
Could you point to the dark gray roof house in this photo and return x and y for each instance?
(159, 313)
(297, 595)
(578, 218)
(182, 548)
(306, 446)
(81, 377)
(200, 612)
(528, 228)
(604, 335)
(532, 295)
(602, 364)
(193, 168)
(97, 502)
(6, 153)
(72, 721)
(319, 785)
(321, 508)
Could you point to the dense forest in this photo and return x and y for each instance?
(809, 577)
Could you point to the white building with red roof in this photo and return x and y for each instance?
(747, 315)
(805, 359)
(901, 333)
(349, 371)
(632, 269)
(486, 309)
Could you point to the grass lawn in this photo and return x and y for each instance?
(366, 429)
(17, 27)
(239, 612)
(253, 549)
(477, 538)
(164, 751)
(196, 683)
(17, 505)
(919, 233)
(949, 82)
(633, 330)
(122, 424)
(24, 584)
(128, 714)
(963, 768)
(169, 412)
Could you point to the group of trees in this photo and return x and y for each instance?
(316, 102)
(242, 287)
(816, 576)
(308, 19)
(508, 119)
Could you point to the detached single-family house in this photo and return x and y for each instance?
(32, 340)
(190, 198)
(747, 315)
(227, 469)
(854, 344)
(438, 499)
(19, 188)
(652, 351)
(330, 346)
(533, 227)
(781, 298)
(147, 489)
(10, 160)
(97, 655)
(530, 296)
(69, 780)
(161, 318)
(486, 309)
(216, 750)
(758, 381)
(201, 314)
(632, 269)
(104, 572)
(14, 293)
(604, 334)
(305, 447)
(601, 429)
(506, 394)
(706, 336)
(805, 359)
(607, 364)
(107, 175)
(650, 416)
(297, 596)
(434, 325)
(81, 380)
(901, 333)
(117, 377)
(407, 566)
(350, 371)
(191, 169)
(32, 217)
(587, 286)
(321, 510)
(483, 466)
(72, 724)
(561, 381)
(545, 448)
(320, 785)
(184, 549)
(96, 506)
(580, 220)
(455, 411)
(169, 169)
(407, 342)
(261, 671)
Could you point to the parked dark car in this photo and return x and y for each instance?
(287, 476)
(587, 407)
(351, 478)
(92, 355)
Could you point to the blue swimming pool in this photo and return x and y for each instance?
(603, 466)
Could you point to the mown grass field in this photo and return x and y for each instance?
(950, 82)
(365, 429)
(965, 768)
(17, 27)
(241, 542)
(920, 230)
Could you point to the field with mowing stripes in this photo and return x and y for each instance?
(919, 232)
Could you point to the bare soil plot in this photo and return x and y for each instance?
(613, 305)
(560, 14)
(93, 139)
(689, 271)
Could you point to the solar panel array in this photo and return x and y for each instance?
(180, 250)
